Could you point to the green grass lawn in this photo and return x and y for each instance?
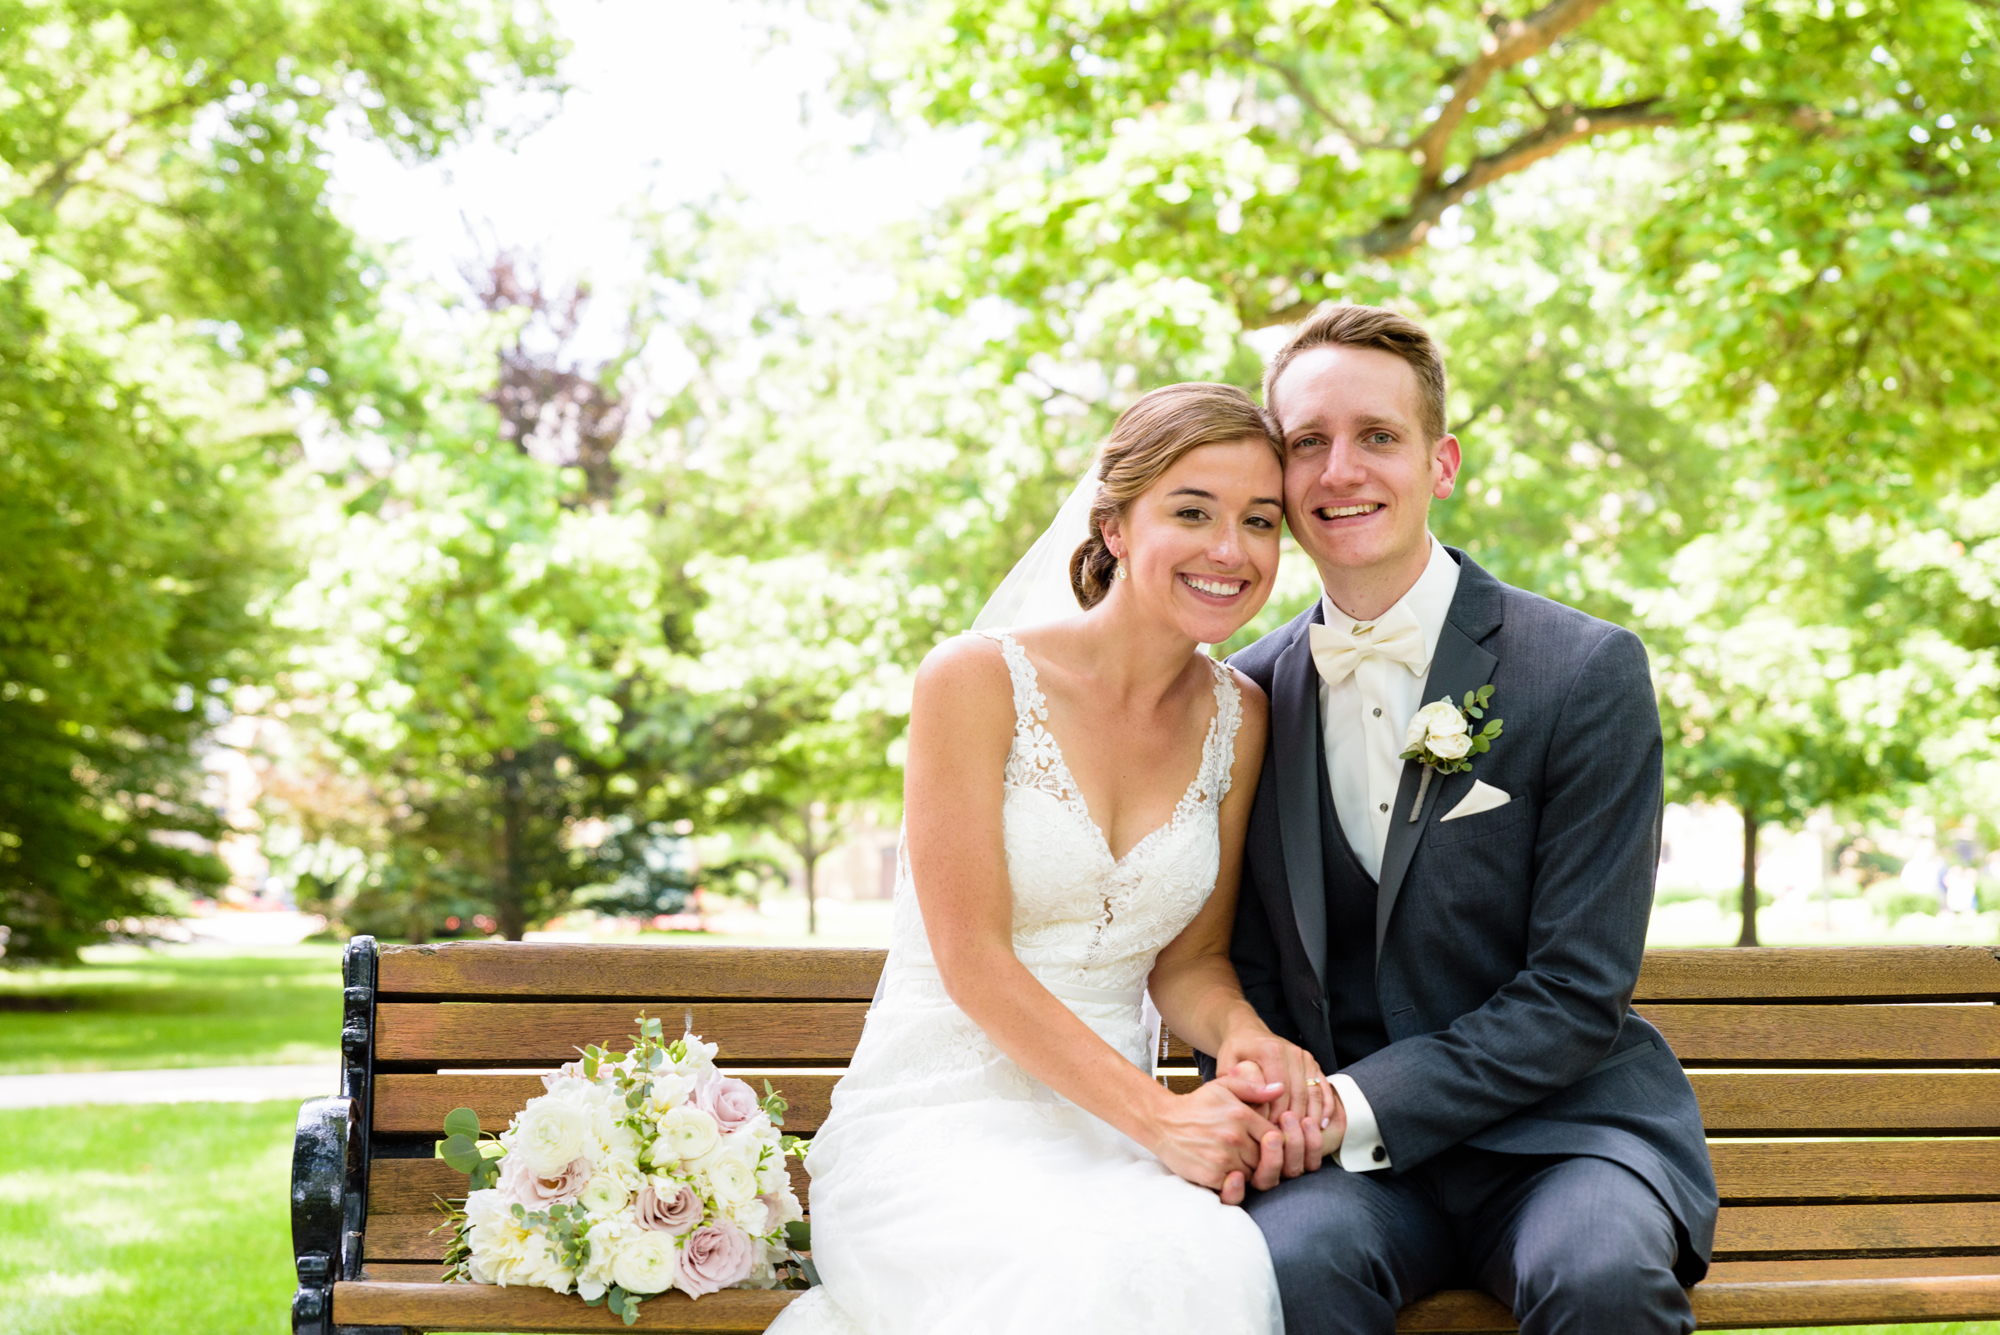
(169, 1218)
(130, 1008)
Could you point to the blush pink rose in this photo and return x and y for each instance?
(715, 1256)
(670, 1214)
(519, 1182)
(728, 1100)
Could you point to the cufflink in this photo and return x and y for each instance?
(1381, 1153)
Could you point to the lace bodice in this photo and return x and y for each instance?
(1085, 922)
(1075, 906)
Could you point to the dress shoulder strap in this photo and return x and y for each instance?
(1029, 705)
(1219, 758)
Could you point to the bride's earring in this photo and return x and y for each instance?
(1119, 573)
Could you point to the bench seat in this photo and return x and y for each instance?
(1852, 1097)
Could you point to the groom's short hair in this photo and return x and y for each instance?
(1367, 327)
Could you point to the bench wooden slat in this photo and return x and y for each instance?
(408, 1189)
(491, 1307)
(1932, 1035)
(1848, 1267)
(1771, 1170)
(533, 969)
(1768, 1170)
(1807, 972)
(417, 1104)
(1819, 1102)
(1845, 1302)
(745, 1031)
(402, 1230)
(1954, 1226)
(1737, 1294)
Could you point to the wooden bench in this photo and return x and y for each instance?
(1852, 1098)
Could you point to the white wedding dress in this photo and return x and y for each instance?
(955, 1194)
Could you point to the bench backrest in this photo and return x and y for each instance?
(1852, 1095)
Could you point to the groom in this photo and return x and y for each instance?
(1458, 953)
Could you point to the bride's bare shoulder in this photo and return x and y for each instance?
(968, 675)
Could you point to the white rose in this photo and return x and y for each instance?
(1434, 721)
(731, 1181)
(645, 1262)
(551, 1132)
(686, 1133)
(1451, 748)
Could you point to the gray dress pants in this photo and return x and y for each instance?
(1574, 1245)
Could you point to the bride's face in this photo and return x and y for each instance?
(1201, 544)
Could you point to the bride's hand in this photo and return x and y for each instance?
(1214, 1138)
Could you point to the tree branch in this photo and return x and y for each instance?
(1308, 99)
(1508, 44)
(1400, 236)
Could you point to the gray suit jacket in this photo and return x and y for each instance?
(1507, 943)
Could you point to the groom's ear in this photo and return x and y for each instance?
(1445, 463)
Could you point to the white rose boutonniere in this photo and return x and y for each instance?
(1441, 739)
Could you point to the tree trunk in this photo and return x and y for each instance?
(509, 909)
(1748, 937)
(809, 853)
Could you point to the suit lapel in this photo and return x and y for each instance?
(1296, 743)
(1458, 666)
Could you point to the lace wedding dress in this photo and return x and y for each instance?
(955, 1194)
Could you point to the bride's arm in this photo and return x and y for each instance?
(961, 726)
(1195, 987)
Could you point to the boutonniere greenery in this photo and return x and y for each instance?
(1442, 740)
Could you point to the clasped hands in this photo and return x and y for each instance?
(1268, 1115)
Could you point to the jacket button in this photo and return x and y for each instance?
(1384, 806)
(1381, 1153)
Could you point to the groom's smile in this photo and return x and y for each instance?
(1360, 471)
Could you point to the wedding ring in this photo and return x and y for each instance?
(1311, 1083)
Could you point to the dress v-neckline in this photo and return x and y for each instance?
(1058, 763)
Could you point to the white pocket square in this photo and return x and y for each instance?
(1483, 797)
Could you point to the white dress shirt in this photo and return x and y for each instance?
(1365, 719)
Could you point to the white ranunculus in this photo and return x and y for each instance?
(731, 1181)
(604, 1195)
(1433, 723)
(645, 1262)
(1451, 748)
(688, 1133)
(550, 1132)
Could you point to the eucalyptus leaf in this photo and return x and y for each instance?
(462, 1122)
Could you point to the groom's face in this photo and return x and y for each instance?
(1360, 472)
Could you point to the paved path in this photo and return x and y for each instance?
(201, 1084)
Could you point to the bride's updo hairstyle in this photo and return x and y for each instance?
(1150, 438)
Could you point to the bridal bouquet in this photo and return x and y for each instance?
(633, 1174)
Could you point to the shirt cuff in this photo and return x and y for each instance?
(1361, 1149)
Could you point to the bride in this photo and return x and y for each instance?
(999, 1157)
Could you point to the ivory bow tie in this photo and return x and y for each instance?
(1338, 650)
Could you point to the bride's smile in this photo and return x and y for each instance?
(1200, 545)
